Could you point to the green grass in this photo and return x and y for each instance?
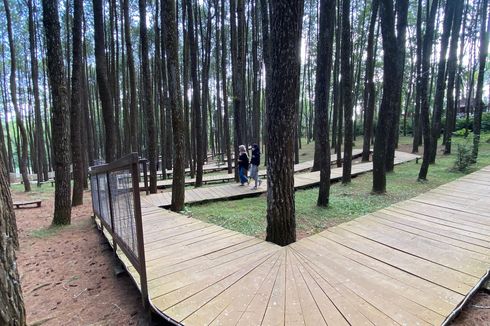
(52, 230)
(44, 191)
(248, 215)
(48, 232)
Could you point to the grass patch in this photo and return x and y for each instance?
(44, 191)
(53, 230)
(48, 232)
(347, 202)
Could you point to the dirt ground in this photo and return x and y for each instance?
(68, 275)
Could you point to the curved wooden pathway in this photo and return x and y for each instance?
(412, 263)
(226, 177)
(235, 191)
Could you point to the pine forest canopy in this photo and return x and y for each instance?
(176, 81)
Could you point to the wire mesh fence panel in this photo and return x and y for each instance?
(116, 202)
(95, 195)
(122, 199)
(104, 208)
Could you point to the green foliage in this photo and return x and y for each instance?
(459, 133)
(464, 158)
(462, 124)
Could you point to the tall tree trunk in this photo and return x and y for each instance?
(401, 9)
(172, 48)
(10, 154)
(75, 109)
(40, 149)
(196, 95)
(60, 114)
(369, 87)
(424, 95)
(133, 109)
(103, 82)
(451, 72)
(161, 73)
(189, 133)
(237, 8)
(266, 48)
(3, 149)
(337, 86)
(282, 116)
(441, 79)
(255, 80)
(345, 68)
(322, 91)
(23, 157)
(485, 29)
(147, 99)
(392, 72)
(226, 120)
(12, 311)
(417, 122)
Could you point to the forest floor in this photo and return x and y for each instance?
(67, 273)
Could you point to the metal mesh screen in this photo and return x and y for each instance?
(95, 194)
(123, 209)
(104, 209)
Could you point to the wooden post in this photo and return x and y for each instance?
(114, 243)
(139, 232)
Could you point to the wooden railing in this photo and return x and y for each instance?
(116, 202)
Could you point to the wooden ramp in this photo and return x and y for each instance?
(226, 177)
(235, 191)
(413, 263)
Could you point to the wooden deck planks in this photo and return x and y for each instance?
(300, 167)
(233, 190)
(410, 263)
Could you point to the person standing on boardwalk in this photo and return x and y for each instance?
(243, 165)
(254, 170)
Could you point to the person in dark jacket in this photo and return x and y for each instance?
(254, 169)
(243, 165)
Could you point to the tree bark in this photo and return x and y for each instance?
(39, 138)
(441, 79)
(485, 29)
(172, 48)
(451, 72)
(23, 157)
(147, 99)
(322, 91)
(103, 82)
(75, 109)
(226, 120)
(401, 10)
(60, 114)
(196, 95)
(133, 109)
(392, 72)
(346, 80)
(281, 119)
(424, 89)
(12, 311)
(417, 122)
(369, 87)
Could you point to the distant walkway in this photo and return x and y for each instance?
(412, 263)
(300, 167)
(235, 191)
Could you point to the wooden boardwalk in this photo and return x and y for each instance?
(226, 177)
(235, 191)
(412, 263)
